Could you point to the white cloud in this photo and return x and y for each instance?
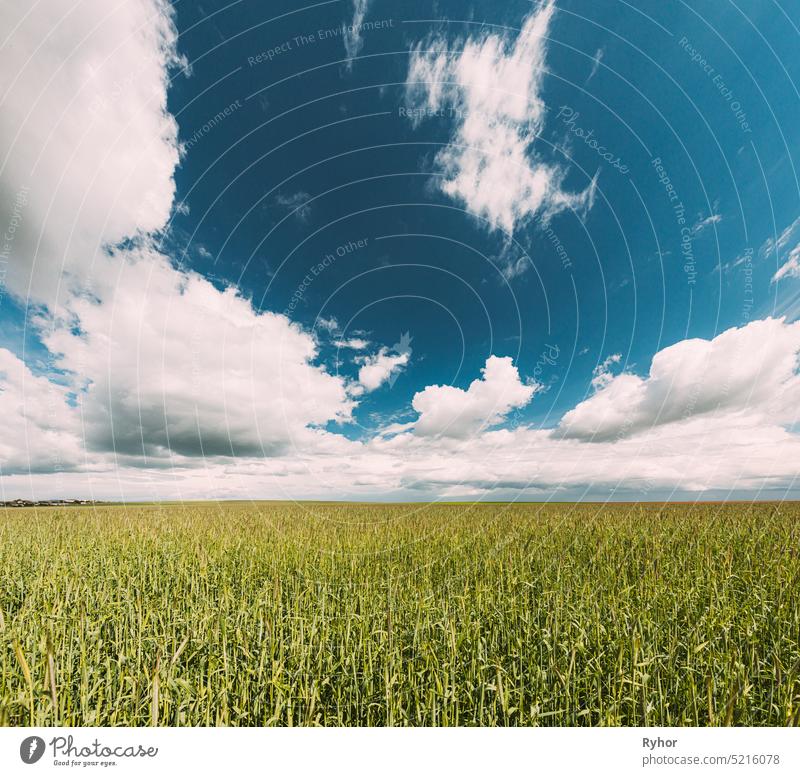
(296, 203)
(381, 367)
(729, 450)
(601, 376)
(354, 343)
(703, 454)
(703, 223)
(494, 87)
(86, 134)
(750, 370)
(699, 457)
(173, 365)
(352, 32)
(164, 364)
(791, 267)
(177, 388)
(40, 429)
(779, 244)
(596, 60)
(445, 410)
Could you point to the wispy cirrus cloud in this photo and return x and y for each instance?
(354, 343)
(296, 203)
(703, 223)
(352, 32)
(778, 245)
(785, 248)
(596, 60)
(790, 267)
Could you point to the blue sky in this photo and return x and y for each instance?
(394, 250)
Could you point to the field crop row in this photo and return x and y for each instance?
(356, 614)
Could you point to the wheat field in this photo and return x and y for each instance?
(362, 614)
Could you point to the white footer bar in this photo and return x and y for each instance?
(389, 751)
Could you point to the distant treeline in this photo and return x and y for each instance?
(57, 502)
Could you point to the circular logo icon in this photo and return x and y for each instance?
(31, 749)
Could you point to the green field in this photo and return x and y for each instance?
(359, 614)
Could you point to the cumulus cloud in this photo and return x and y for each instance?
(40, 429)
(385, 365)
(162, 363)
(702, 457)
(87, 136)
(706, 452)
(750, 370)
(380, 368)
(168, 363)
(445, 410)
(494, 87)
(171, 387)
